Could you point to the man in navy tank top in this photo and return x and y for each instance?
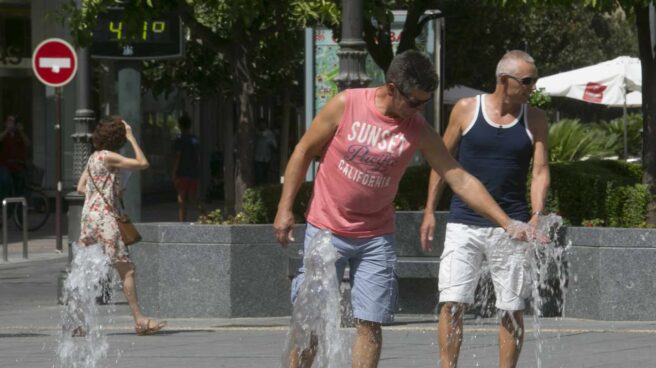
(495, 136)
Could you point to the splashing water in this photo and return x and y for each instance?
(548, 261)
(316, 315)
(80, 314)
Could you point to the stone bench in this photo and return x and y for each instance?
(611, 274)
(212, 271)
(206, 271)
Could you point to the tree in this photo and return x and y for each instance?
(236, 48)
(640, 12)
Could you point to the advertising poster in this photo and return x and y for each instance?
(326, 62)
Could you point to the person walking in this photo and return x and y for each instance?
(366, 138)
(14, 144)
(186, 167)
(101, 186)
(496, 136)
(265, 146)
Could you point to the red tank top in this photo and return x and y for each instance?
(361, 168)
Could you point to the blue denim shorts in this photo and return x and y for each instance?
(372, 265)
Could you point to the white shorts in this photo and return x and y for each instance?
(465, 248)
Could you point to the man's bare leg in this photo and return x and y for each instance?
(305, 358)
(182, 206)
(367, 344)
(511, 338)
(449, 333)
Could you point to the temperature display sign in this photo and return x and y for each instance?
(157, 38)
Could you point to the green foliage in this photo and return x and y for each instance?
(216, 218)
(615, 129)
(607, 190)
(569, 140)
(588, 193)
(267, 33)
(560, 35)
(540, 100)
(261, 203)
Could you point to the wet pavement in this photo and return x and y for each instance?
(30, 323)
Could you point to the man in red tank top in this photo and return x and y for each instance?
(365, 138)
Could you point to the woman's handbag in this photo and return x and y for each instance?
(128, 231)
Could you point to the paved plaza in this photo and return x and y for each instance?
(29, 326)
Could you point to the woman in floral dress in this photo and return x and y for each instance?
(98, 224)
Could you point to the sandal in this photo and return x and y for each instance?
(79, 332)
(146, 330)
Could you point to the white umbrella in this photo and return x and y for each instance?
(616, 83)
(633, 99)
(604, 83)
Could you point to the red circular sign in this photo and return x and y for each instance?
(54, 62)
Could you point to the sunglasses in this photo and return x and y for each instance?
(528, 81)
(412, 102)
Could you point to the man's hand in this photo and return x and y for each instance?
(283, 226)
(426, 231)
(521, 231)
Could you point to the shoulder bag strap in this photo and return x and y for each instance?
(100, 192)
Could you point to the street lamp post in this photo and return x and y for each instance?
(352, 49)
(84, 120)
(352, 74)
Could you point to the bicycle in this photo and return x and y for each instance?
(38, 204)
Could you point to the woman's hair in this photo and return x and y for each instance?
(109, 134)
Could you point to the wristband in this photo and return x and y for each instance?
(539, 213)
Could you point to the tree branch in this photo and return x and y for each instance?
(211, 39)
(409, 33)
(378, 43)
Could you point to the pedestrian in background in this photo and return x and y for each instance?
(100, 183)
(14, 144)
(265, 147)
(186, 167)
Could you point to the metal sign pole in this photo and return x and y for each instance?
(58, 171)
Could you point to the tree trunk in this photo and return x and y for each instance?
(227, 116)
(246, 138)
(648, 107)
(244, 88)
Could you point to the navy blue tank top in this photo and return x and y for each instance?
(499, 156)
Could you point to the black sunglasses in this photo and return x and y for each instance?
(411, 102)
(528, 81)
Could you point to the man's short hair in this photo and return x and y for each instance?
(508, 63)
(412, 70)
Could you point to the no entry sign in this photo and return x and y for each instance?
(54, 62)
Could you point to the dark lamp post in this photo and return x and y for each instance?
(352, 48)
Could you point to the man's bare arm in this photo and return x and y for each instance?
(461, 115)
(311, 145)
(541, 177)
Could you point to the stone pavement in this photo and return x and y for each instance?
(29, 326)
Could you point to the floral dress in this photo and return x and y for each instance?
(98, 224)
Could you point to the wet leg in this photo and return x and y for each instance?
(367, 345)
(511, 338)
(449, 333)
